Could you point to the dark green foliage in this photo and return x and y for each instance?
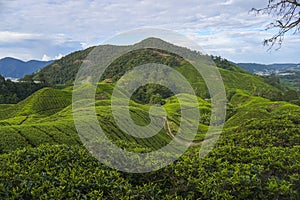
(11, 140)
(225, 64)
(156, 99)
(292, 80)
(291, 95)
(151, 93)
(274, 81)
(227, 172)
(139, 57)
(64, 70)
(13, 92)
(58, 172)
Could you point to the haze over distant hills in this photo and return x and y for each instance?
(15, 68)
(287, 73)
(269, 69)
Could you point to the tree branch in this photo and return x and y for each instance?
(288, 18)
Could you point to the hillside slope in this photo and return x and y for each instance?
(256, 156)
(64, 71)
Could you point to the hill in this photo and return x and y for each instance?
(14, 68)
(63, 71)
(256, 156)
(13, 92)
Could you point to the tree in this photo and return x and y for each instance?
(27, 78)
(42, 78)
(2, 80)
(287, 19)
(291, 95)
(156, 99)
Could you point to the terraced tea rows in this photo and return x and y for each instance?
(255, 157)
(46, 117)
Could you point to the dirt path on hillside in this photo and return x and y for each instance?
(177, 139)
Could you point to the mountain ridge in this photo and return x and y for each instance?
(16, 68)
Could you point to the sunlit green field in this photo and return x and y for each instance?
(256, 156)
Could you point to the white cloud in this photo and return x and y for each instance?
(59, 56)
(46, 58)
(84, 45)
(9, 36)
(52, 27)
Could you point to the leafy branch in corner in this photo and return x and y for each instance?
(287, 18)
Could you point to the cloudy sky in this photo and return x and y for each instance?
(48, 29)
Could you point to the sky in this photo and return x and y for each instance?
(50, 29)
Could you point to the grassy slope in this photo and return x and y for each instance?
(258, 160)
(260, 142)
(21, 126)
(248, 162)
(46, 117)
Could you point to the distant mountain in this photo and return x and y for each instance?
(262, 69)
(11, 67)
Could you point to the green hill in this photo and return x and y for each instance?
(46, 117)
(63, 71)
(20, 126)
(13, 92)
(258, 160)
(256, 156)
(44, 102)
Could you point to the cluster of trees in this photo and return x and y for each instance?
(13, 92)
(225, 64)
(64, 70)
(292, 80)
(152, 93)
(139, 57)
(288, 94)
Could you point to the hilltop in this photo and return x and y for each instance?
(64, 71)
